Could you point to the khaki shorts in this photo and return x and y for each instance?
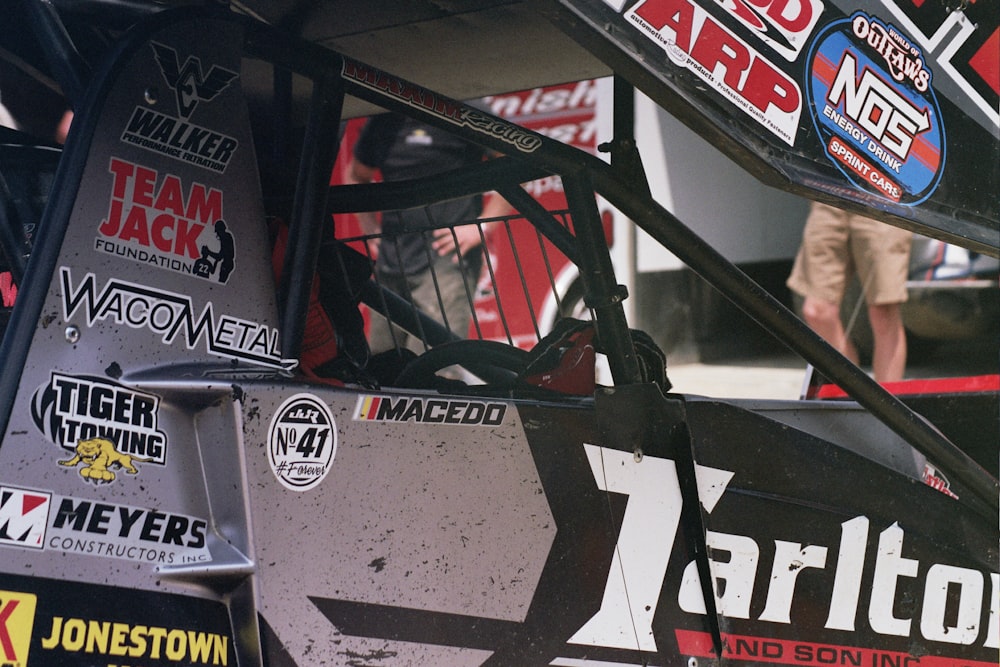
(837, 244)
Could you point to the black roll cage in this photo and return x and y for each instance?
(529, 156)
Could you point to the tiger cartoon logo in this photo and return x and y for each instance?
(99, 456)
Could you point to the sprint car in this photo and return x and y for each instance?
(179, 487)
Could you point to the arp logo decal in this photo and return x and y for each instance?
(301, 442)
(694, 40)
(784, 25)
(22, 517)
(106, 426)
(152, 219)
(874, 109)
(17, 616)
(169, 315)
(429, 411)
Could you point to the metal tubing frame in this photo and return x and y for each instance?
(394, 93)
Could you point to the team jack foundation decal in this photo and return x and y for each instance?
(302, 442)
(875, 110)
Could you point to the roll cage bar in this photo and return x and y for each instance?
(529, 156)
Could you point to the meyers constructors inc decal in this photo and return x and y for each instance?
(301, 442)
(38, 520)
(109, 428)
(875, 110)
(153, 219)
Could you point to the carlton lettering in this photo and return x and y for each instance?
(74, 635)
(955, 600)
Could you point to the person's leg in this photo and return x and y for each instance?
(824, 318)
(889, 355)
(882, 254)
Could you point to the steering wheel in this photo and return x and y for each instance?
(496, 364)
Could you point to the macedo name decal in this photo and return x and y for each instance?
(155, 220)
(170, 315)
(429, 411)
(694, 40)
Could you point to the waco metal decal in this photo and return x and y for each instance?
(302, 442)
(169, 315)
(875, 110)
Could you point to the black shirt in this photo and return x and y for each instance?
(403, 148)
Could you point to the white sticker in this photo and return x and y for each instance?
(301, 442)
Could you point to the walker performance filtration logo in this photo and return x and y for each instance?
(784, 25)
(696, 41)
(17, 616)
(173, 136)
(70, 409)
(171, 315)
(875, 110)
(447, 109)
(22, 517)
(154, 219)
(301, 442)
(429, 411)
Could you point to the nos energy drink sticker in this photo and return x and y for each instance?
(875, 110)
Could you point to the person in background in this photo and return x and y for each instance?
(835, 245)
(434, 270)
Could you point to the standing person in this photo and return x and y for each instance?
(435, 270)
(836, 244)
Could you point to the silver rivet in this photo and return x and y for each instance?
(72, 334)
(150, 96)
(637, 454)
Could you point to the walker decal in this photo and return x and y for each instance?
(108, 428)
(693, 39)
(17, 616)
(875, 110)
(153, 219)
(169, 315)
(301, 442)
(175, 136)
